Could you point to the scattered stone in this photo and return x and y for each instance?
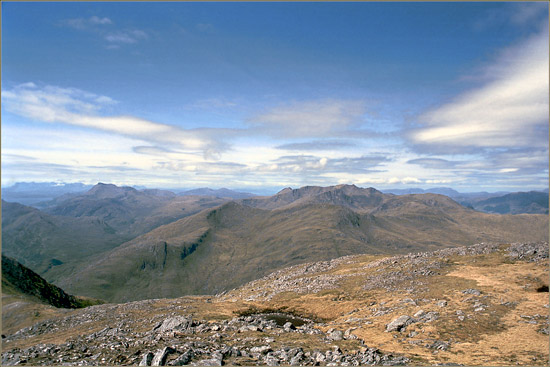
(147, 359)
(160, 357)
(177, 323)
(419, 314)
(475, 292)
(289, 327)
(261, 349)
(399, 323)
(442, 303)
(335, 335)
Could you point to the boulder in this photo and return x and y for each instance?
(399, 323)
(160, 357)
(147, 359)
(176, 323)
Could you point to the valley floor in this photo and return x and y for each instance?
(480, 305)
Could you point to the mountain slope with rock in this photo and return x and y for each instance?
(485, 304)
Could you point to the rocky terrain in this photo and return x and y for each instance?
(485, 304)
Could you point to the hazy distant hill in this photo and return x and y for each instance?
(434, 190)
(129, 211)
(31, 193)
(533, 202)
(515, 203)
(218, 249)
(221, 193)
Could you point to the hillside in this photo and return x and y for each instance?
(520, 202)
(27, 297)
(53, 245)
(20, 280)
(222, 248)
(485, 304)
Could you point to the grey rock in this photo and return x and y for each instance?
(442, 303)
(419, 313)
(147, 359)
(177, 323)
(475, 292)
(399, 323)
(209, 362)
(272, 361)
(160, 357)
(289, 326)
(260, 350)
(336, 335)
(183, 359)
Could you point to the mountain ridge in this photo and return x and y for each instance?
(238, 242)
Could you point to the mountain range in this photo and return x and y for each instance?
(71, 231)
(119, 243)
(221, 193)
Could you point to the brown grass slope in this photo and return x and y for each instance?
(223, 248)
(487, 305)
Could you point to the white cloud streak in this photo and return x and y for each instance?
(86, 23)
(131, 36)
(509, 111)
(75, 107)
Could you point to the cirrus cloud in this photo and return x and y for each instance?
(72, 106)
(510, 111)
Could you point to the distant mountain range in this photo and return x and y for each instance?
(71, 230)
(120, 243)
(516, 203)
(47, 195)
(30, 193)
(221, 193)
(533, 202)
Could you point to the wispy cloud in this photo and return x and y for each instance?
(87, 23)
(328, 144)
(436, 163)
(129, 36)
(105, 28)
(318, 164)
(510, 111)
(76, 107)
(319, 118)
(521, 13)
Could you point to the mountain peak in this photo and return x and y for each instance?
(102, 190)
(285, 190)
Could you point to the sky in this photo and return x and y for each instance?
(262, 96)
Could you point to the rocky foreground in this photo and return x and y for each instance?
(483, 304)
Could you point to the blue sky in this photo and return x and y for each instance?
(261, 96)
